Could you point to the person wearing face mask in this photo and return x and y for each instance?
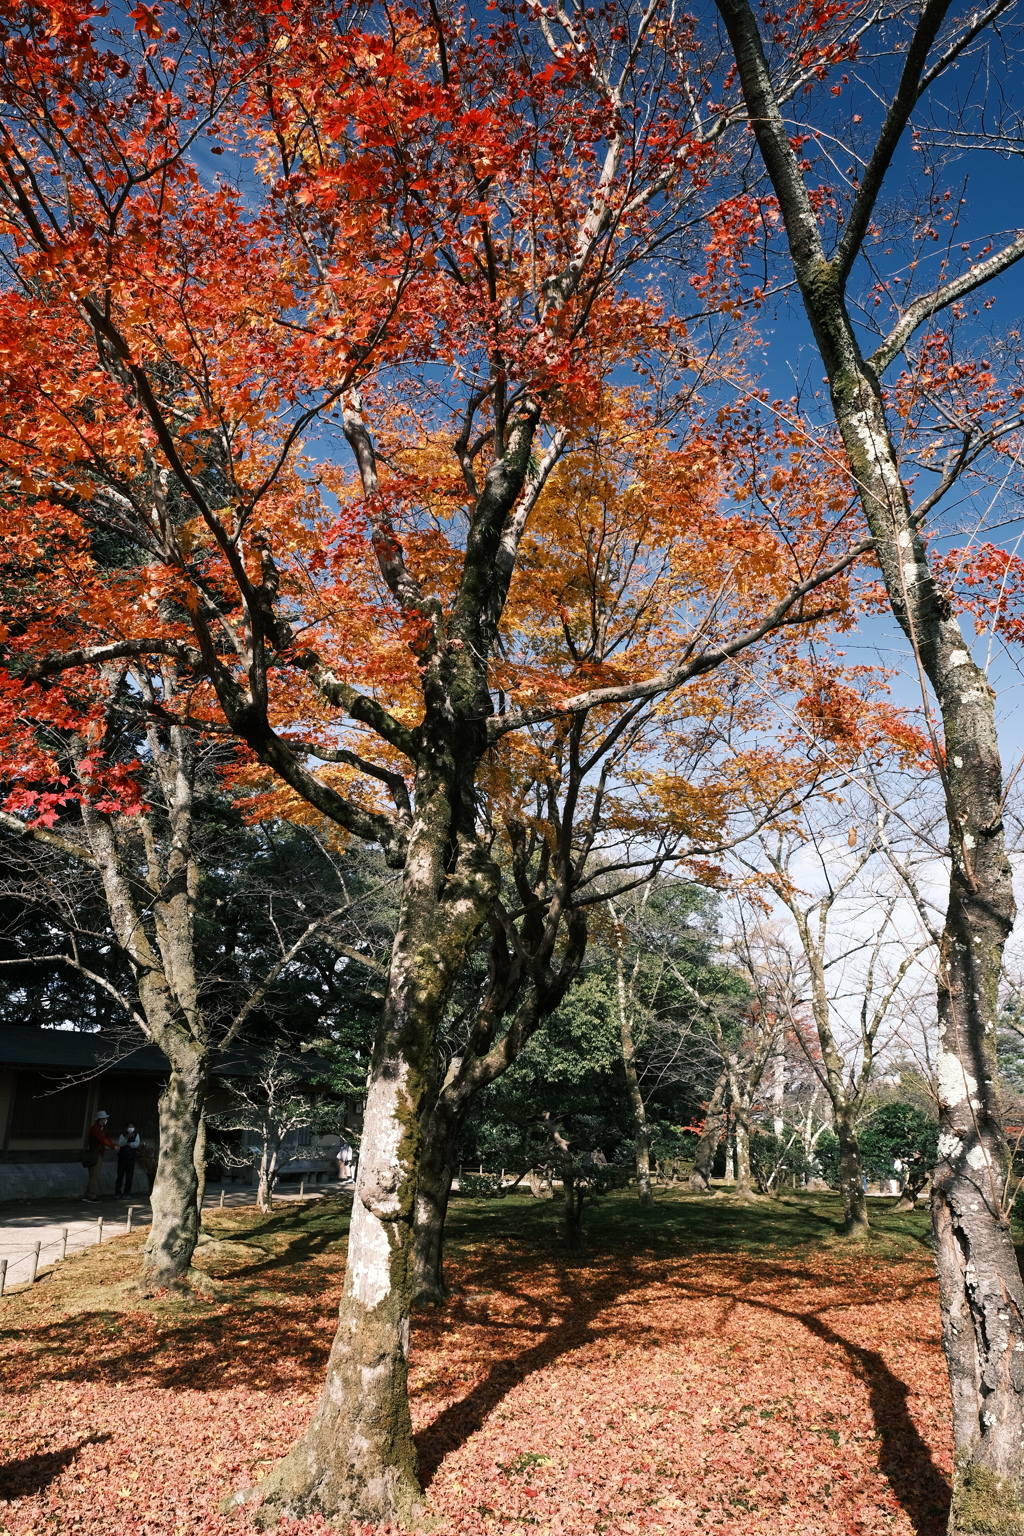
(128, 1144)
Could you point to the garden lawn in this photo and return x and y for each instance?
(704, 1367)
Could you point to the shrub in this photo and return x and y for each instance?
(774, 1157)
(826, 1156)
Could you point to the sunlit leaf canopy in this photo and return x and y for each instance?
(428, 229)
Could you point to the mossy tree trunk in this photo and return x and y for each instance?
(980, 1287)
(357, 1456)
(174, 1231)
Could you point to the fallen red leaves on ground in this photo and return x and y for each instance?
(797, 1393)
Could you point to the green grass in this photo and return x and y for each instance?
(683, 1223)
(677, 1223)
(615, 1221)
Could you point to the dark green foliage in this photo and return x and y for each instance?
(826, 1156)
(672, 1143)
(776, 1161)
(570, 1075)
(899, 1131)
(482, 1186)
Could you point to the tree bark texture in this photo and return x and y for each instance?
(174, 1231)
(851, 1175)
(357, 1458)
(163, 961)
(981, 1293)
(742, 1138)
(432, 1195)
(710, 1136)
(641, 1136)
(200, 1162)
(266, 1178)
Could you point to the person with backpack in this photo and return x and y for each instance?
(99, 1141)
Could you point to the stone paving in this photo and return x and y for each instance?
(23, 1223)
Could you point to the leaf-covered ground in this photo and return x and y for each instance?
(706, 1367)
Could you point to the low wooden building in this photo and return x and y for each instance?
(52, 1084)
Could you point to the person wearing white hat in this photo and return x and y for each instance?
(99, 1141)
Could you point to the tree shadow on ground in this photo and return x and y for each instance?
(257, 1347)
(33, 1474)
(904, 1458)
(590, 1288)
(455, 1424)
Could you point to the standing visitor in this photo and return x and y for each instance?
(99, 1141)
(128, 1144)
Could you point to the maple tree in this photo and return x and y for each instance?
(580, 811)
(443, 254)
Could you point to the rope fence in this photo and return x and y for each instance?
(78, 1235)
(20, 1261)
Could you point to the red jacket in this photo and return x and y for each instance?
(98, 1137)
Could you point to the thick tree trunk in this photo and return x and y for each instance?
(200, 1162)
(358, 1452)
(432, 1194)
(167, 1256)
(980, 1288)
(710, 1136)
(851, 1177)
(357, 1459)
